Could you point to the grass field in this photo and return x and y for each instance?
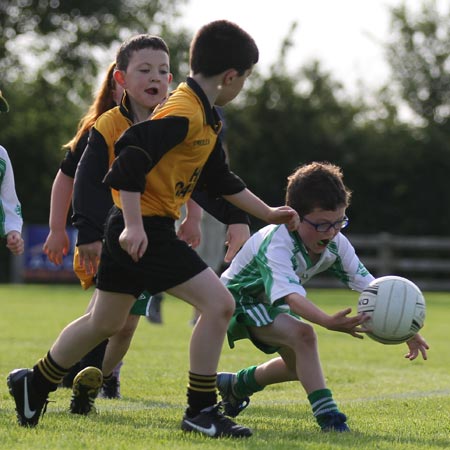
(392, 403)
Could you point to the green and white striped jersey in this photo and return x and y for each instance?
(274, 263)
(10, 208)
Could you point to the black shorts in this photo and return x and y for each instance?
(167, 262)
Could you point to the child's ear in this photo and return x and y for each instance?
(119, 77)
(229, 76)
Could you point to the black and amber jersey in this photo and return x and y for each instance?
(91, 198)
(178, 150)
(71, 159)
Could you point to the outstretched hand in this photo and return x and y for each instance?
(415, 345)
(284, 214)
(352, 325)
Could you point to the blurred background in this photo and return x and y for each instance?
(384, 117)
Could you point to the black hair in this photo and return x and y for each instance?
(222, 45)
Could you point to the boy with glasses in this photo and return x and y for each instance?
(266, 279)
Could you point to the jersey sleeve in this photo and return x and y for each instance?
(72, 158)
(140, 148)
(348, 268)
(216, 177)
(91, 198)
(10, 208)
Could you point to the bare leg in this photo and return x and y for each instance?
(106, 318)
(119, 344)
(216, 305)
(299, 352)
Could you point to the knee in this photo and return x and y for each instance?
(127, 331)
(305, 335)
(228, 306)
(107, 326)
(221, 307)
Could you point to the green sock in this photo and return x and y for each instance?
(322, 403)
(246, 384)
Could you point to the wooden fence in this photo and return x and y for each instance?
(425, 260)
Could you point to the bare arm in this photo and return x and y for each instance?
(57, 243)
(337, 322)
(133, 238)
(252, 204)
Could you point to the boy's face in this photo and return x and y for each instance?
(316, 241)
(231, 86)
(147, 78)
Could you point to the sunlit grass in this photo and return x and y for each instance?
(391, 403)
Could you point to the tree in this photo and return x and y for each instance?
(67, 39)
(64, 39)
(419, 55)
(51, 55)
(287, 121)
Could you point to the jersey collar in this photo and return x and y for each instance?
(211, 116)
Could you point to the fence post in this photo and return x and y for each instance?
(385, 254)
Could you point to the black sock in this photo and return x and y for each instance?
(47, 374)
(95, 357)
(201, 392)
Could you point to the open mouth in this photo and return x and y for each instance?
(152, 91)
(323, 242)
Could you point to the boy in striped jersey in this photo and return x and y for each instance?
(266, 279)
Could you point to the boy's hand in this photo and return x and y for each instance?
(56, 246)
(351, 325)
(134, 241)
(417, 344)
(237, 235)
(190, 232)
(14, 242)
(89, 256)
(284, 214)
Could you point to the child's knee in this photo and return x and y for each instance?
(127, 331)
(107, 326)
(222, 306)
(229, 306)
(305, 334)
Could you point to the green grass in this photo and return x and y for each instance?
(392, 403)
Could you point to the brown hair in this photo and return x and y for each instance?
(222, 45)
(317, 185)
(135, 43)
(103, 102)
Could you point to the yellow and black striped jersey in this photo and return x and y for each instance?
(166, 157)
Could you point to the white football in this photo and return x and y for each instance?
(396, 307)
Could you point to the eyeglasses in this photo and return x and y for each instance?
(326, 226)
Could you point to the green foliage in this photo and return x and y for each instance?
(48, 97)
(280, 128)
(397, 170)
(51, 54)
(33, 133)
(66, 37)
(392, 403)
(419, 54)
